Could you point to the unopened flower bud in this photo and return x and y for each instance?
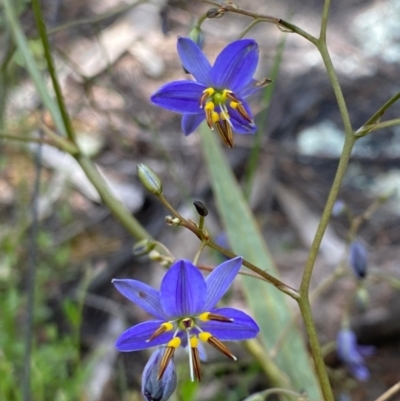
(196, 34)
(201, 209)
(358, 259)
(215, 13)
(143, 247)
(149, 179)
(338, 208)
(154, 389)
(155, 255)
(172, 221)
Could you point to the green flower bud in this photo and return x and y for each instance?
(196, 34)
(149, 179)
(143, 247)
(172, 221)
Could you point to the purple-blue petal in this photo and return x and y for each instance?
(194, 60)
(359, 371)
(183, 290)
(179, 96)
(219, 280)
(191, 121)
(142, 295)
(136, 337)
(243, 326)
(235, 65)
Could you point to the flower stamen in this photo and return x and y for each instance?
(168, 354)
(236, 105)
(167, 326)
(217, 344)
(225, 130)
(195, 357)
(206, 316)
(207, 93)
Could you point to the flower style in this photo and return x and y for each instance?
(185, 314)
(219, 91)
(353, 354)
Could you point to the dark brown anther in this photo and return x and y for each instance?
(196, 362)
(221, 347)
(200, 208)
(219, 318)
(166, 358)
(225, 132)
(242, 111)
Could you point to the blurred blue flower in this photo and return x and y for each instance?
(338, 208)
(358, 258)
(185, 314)
(153, 388)
(352, 354)
(219, 91)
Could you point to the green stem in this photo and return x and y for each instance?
(229, 254)
(41, 27)
(381, 111)
(324, 21)
(305, 309)
(116, 207)
(366, 129)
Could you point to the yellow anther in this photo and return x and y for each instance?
(205, 336)
(226, 93)
(168, 326)
(214, 117)
(209, 106)
(206, 94)
(209, 91)
(194, 342)
(234, 105)
(175, 342)
(204, 316)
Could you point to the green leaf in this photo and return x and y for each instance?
(270, 306)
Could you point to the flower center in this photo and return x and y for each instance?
(217, 105)
(190, 329)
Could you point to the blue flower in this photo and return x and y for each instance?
(352, 354)
(153, 388)
(185, 314)
(358, 259)
(219, 91)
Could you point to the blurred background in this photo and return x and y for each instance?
(111, 55)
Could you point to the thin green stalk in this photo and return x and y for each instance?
(116, 207)
(281, 286)
(381, 111)
(366, 129)
(320, 368)
(341, 170)
(41, 27)
(324, 21)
